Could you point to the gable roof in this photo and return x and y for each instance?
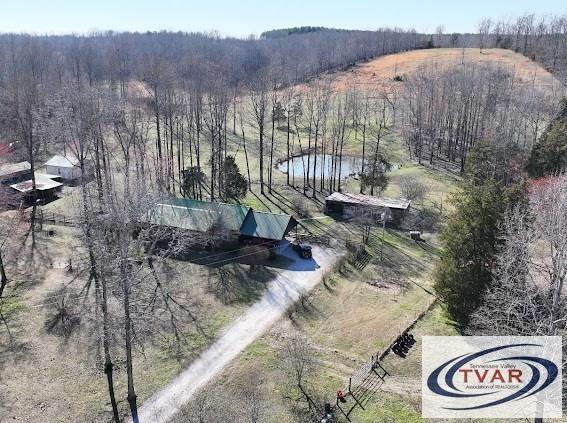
(369, 200)
(62, 161)
(197, 215)
(266, 225)
(201, 216)
(10, 168)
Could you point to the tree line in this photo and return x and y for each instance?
(449, 110)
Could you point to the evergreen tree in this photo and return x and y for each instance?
(375, 175)
(375, 180)
(549, 154)
(471, 238)
(235, 185)
(193, 178)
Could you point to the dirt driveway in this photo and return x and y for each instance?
(284, 290)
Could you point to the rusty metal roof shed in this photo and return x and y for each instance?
(369, 200)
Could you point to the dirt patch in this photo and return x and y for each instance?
(387, 285)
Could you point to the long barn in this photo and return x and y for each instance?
(229, 222)
(348, 206)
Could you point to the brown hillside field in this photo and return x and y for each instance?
(381, 71)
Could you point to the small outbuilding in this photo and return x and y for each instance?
(347, 206)
(16, 180)
(67, 167)
(11, 173)
(45, 187)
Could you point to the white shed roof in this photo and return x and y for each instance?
(62, 161)
(42, 183)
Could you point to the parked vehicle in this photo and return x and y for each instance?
(303, 250)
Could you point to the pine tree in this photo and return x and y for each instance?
(193, 178)
(549, 154)
(471, 237)
(235, 184)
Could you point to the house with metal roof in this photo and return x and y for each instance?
(67, 167)
(221, 220)
(44, 184)
(346, 205)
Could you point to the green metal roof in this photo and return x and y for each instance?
(266, 225)
(197, 215)
(201, 216)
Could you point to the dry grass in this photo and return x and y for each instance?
(46, 377)
(380, 72)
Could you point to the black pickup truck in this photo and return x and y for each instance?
(302, 249)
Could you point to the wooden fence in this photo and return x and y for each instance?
(52, 218)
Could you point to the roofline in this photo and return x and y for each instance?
(212, 202)
(187, 208)
(267, 212)
(70, 162)
(351, 198)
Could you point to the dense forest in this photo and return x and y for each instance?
(193, 57)
(283, 32)
(184, 75)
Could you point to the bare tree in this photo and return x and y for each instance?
(7, 229)
(527, 296)
(259, 103)
(412, 188)
(483, 32)
(298, 359)
(23, 101)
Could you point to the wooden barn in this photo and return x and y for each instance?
(348, 206)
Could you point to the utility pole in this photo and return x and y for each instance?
(386, 214)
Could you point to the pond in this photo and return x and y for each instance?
(351, 166)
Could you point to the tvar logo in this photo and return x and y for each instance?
(491, 377)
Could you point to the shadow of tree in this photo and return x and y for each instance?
(237, 283)
(12, 348)
(63, 315)
(305, 309)
(397, 256)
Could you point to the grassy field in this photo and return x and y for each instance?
(355, 314)
(40, 369)
(381, 71)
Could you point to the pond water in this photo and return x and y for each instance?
(351, 166)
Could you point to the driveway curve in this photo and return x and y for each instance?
(284, 290)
